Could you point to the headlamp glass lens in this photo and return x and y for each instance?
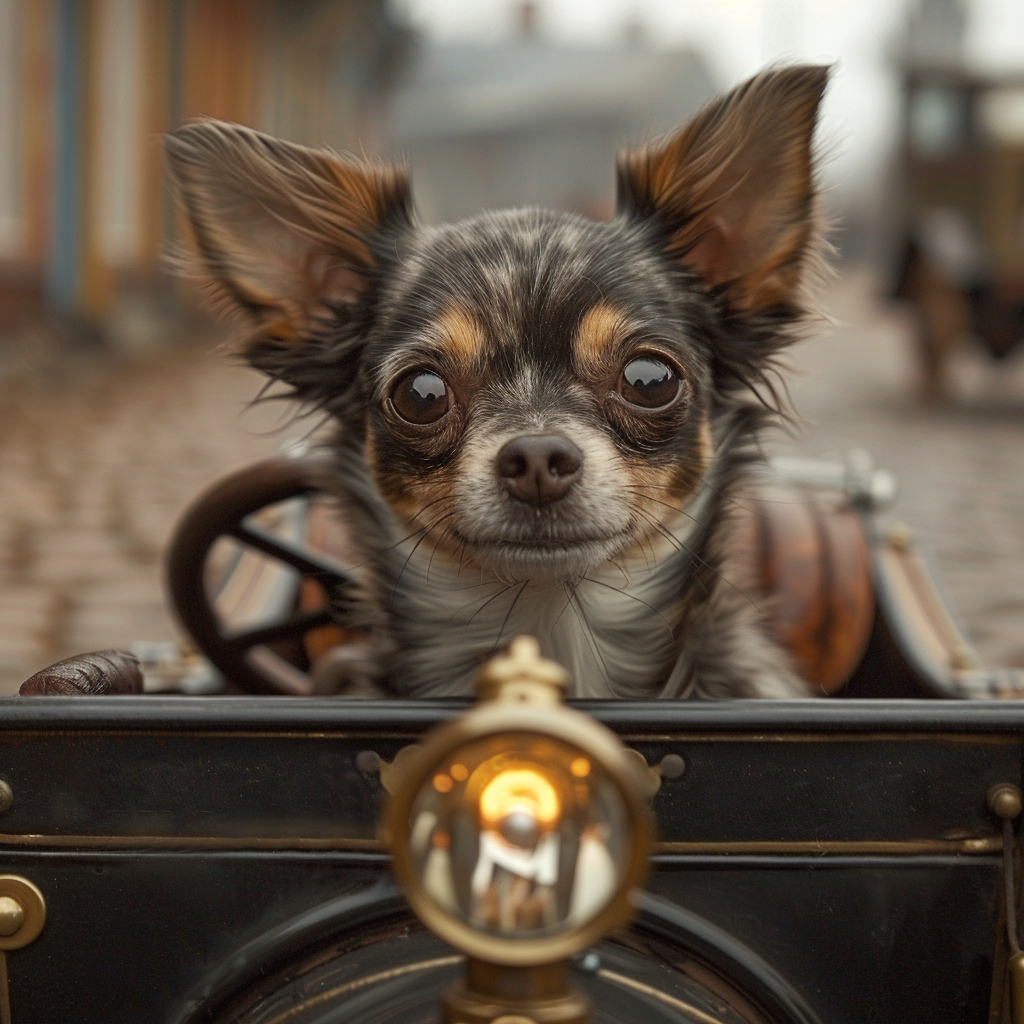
(520, 835)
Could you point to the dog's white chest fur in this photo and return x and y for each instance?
(612, 629)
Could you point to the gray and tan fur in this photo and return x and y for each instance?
(543, 421)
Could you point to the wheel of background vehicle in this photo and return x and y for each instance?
(229, 509)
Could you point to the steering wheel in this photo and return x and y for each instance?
(232, 508)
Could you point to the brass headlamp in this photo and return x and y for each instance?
(518, 833)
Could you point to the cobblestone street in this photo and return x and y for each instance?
(92, 479)
(93, 476)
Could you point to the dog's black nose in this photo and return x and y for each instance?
(539, 468)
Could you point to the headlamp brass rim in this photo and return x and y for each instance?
(560, 723)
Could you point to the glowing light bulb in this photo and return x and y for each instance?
(519, 789)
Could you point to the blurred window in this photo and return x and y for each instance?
(938, 120)
(1001, 113)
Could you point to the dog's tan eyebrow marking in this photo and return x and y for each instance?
(602, 325)
(460, 335)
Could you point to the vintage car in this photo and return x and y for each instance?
(170, 858)
(961, 200)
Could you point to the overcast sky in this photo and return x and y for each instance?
(740, 36)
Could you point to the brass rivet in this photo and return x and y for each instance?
(6, 796)
(1004, 800)
(672, 766)
(12, 915)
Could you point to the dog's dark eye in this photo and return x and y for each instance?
(648, 382)
(420, 397)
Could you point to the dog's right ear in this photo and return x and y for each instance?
(284, 234)
(734, 192)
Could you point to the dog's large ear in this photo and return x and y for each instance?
(284, 233)
(734, 190)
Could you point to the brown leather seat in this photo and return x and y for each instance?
(814, 564)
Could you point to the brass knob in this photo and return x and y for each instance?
(12, 915)
(1004, 800)
(22, 912)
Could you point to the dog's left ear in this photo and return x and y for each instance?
(734, 190)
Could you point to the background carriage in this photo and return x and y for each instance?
(961, 206)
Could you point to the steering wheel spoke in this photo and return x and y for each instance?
(296, 626)
(321, 567)
(228, 509)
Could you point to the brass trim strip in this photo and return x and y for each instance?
(194, 842)
(370, 979)
(213, 733)
(677, 1004)
(1004, 738)
(861, 847)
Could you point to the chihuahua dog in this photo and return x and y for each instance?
(544, 422)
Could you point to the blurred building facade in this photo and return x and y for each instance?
(531, 122)
(88, 86)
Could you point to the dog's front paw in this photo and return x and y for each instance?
(102, 672)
